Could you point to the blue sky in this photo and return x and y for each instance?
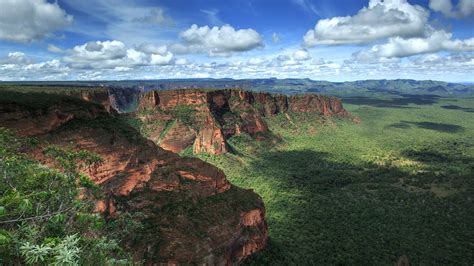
(333, 40)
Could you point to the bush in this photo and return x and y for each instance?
(184, 114)
(42, 220)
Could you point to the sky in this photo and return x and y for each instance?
(335, 40)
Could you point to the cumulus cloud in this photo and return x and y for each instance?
(217, 41)
(48, 70)
(456, 62)
(16, 58)
(301, 55)
(289, 58)
(153, 49)
(113, 54)
(285, 59)
(398, 47)
(381, 19)
(29, 20)
(463, 8)
(456, 66)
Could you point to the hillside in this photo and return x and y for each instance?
(171, 201)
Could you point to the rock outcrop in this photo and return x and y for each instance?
(207, 118)
(190, 213)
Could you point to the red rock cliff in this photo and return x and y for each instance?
(215, 115)
(189, 211)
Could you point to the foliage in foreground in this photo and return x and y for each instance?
(42, 220)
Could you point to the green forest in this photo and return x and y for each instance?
(397, 183)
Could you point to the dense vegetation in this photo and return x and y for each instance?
(42, 219)
(398, 183)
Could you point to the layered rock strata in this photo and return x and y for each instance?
(215, 115)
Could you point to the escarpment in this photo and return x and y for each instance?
(188, 211)
(205, 119)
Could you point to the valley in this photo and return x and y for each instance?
(398, 183)
(233, 176)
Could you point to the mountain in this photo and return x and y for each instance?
(283, 86)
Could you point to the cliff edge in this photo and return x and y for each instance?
(188, 211)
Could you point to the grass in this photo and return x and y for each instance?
(399, 183)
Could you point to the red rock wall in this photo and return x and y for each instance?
(219, 114)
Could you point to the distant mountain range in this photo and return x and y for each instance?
(286, 86)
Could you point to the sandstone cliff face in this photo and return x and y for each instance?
(189, 211)
(216, 115)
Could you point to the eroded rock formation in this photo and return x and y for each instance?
(189, 211)
(207, 118)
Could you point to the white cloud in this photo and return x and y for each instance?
(301, 55)
(30, 20)
(15, 58)
(256, 61)
(152, 49)
(464, 7)
(181, 61)
(161, 59)
(454, 67)
(286, 60)
(113, 54)
(217, 41)
(381, 19)
(443, 6)
(453, 61)
(48, 70)
(398, 47)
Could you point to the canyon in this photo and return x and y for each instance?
(189, 212)
(205, 119)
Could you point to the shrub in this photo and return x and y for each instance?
(42, 220)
